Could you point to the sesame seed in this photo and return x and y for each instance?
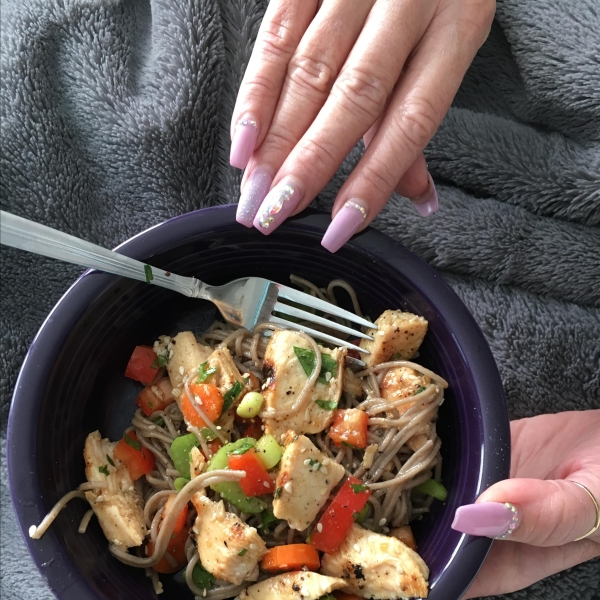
(382, 522)
(288, 487)
(316, 466)
(386, 530)
(181, 370)
(357, 547)
(266, 484)
(252, 546)
(100, 499)
(319, 527)
(326, 462)
(219, 427)
(327, 376)
(324, 470)
(307, 461)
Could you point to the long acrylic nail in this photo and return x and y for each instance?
(253, 193)
(244, 142)
(277, 206)
(490, 519)
(427, 203)
(345, 224)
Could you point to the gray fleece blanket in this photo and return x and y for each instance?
(115, 116)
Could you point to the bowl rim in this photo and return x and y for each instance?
(55, 566)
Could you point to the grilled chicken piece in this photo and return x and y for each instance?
(188, 355)
(403, 382)
(118, 506)
(227, 373)
(197, 462)
(377, 566)
(221, 536)
(285, 379)
(296, 585)
(398, 334)
(304, 481)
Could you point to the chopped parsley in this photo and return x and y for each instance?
(160, 422)
(359, 517)
(421, 389)
(242, 552)
(104, 469)
(159, 361)
(278, 492)
(327, 597)
(150, 404)
(244, 447)
(308, 359)
(132, 442)
(312, 463)
(327, 404)
(231, 394)
(397, 356)
(202, 578)
(148, 272)
(359, 488)
(203, 372)
(110, 460)
(349, 445)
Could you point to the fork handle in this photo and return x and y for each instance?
(33, 237)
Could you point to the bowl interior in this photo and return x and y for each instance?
(83, 388)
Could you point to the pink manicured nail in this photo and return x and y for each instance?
(345, 224)
(427, 203)
(253, 193)
(277, 206)
(490, 519)
(244, 142)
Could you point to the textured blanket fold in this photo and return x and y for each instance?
(115, 116)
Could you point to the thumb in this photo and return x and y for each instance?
(532, 511)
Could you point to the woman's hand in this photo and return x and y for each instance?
(549, 453)
(323, 75)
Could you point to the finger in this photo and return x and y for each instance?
(311, 72)
(511, 566)
(357, 98)
(532, 511)
(418, 106)
(416, 184)
(283, 26)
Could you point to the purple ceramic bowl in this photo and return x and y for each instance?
(72, 383)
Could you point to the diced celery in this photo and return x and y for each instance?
(433, 488)
(269, 451)
(250, 405)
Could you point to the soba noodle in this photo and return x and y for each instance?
(389, 467)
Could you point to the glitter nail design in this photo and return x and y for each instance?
(266, 215)
(513, 524)
(251, 122)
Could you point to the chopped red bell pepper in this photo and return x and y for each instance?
(337, 519)
(180, 523)
(156, 397)
(140, 366)
(138, 460)
(349, 428)
(257, 480)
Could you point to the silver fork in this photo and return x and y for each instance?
(245, 302)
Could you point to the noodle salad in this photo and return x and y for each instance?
(262, 465)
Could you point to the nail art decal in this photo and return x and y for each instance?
(254, 192)
(244, 141)
(273, 205)
(514, 521)
(491, 519)
(344, 225)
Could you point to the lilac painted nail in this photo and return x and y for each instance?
(244, 142)
(427, 203)
(345, 224)
(490, 519)
(277, 206)
(254, 192)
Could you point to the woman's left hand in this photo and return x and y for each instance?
(325, 73)
(549, 454)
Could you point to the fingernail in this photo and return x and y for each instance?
(489, 519)
(277, 206)
(345, 224)
(243, 143)
(427, 203)
(253, 193)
